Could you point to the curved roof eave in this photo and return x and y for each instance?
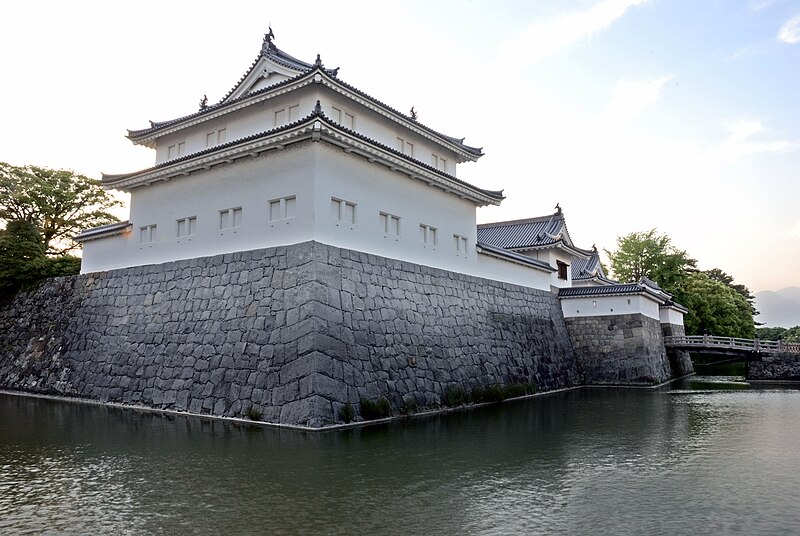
(514, 257)
(143, 136)
(478, 195)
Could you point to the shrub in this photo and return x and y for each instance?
(253, 414)
(410, 406)
(498, 393)
(455, 396)
(375, 410)
(347, 413)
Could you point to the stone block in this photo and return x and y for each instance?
(313, 411)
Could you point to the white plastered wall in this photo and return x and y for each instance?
(671, 315)
(249, 183)
(609, 306)
(373, 188)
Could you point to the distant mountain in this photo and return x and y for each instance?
(779, 308)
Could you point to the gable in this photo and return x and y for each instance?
(264, 72)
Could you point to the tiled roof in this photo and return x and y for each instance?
(269, 50)
(317, 114)
(306, 70)
(516, 256)
(518, 234)
(584, 268)
(476, 151)
(156, 126)
(103, 231)
(609, 290)
(676, 305)
(605, 290)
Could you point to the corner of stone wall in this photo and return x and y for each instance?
(679, 360)
(619, 350)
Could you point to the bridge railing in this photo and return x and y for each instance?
(733, 343)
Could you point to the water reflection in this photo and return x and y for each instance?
(588, 461)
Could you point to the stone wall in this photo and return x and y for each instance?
(775, 368)
(679, 360)
(619, 350)
(288, 333)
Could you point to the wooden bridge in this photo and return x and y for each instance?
(748, 349)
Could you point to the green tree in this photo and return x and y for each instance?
(649, 254)
(719, 275)
(23, 263)
(60, 203)
(773, 334)
(714, 307)
(21, 256)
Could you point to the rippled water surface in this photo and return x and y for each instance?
(581, 462)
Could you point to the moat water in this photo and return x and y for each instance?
(683, 460)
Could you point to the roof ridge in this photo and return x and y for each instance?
(508, 223)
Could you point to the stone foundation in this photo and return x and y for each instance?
(775, 368)
(619, 350)
(679, 360)
(288, 335)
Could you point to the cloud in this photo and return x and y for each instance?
(742, 129)
(545, 38)
(752, 50)
(740, 142)
(632, 97)
(758, 5)
(790, 31)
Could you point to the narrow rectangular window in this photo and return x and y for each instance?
(147, 234)
(283, 208)
(390, 224)
(343, 211)
(405, 147)
(349, 212)
(349, 121)
(181, 148)
(275, 210)
(171, 152)
(187, 226)
(562, 270)
(427, 234)
(443, 164)
(336, 114)
(230, 218)
(280, 117)
(294, 113)
(435, 161)
(460, 244)
(216, 137)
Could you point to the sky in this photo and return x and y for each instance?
(679, 115)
